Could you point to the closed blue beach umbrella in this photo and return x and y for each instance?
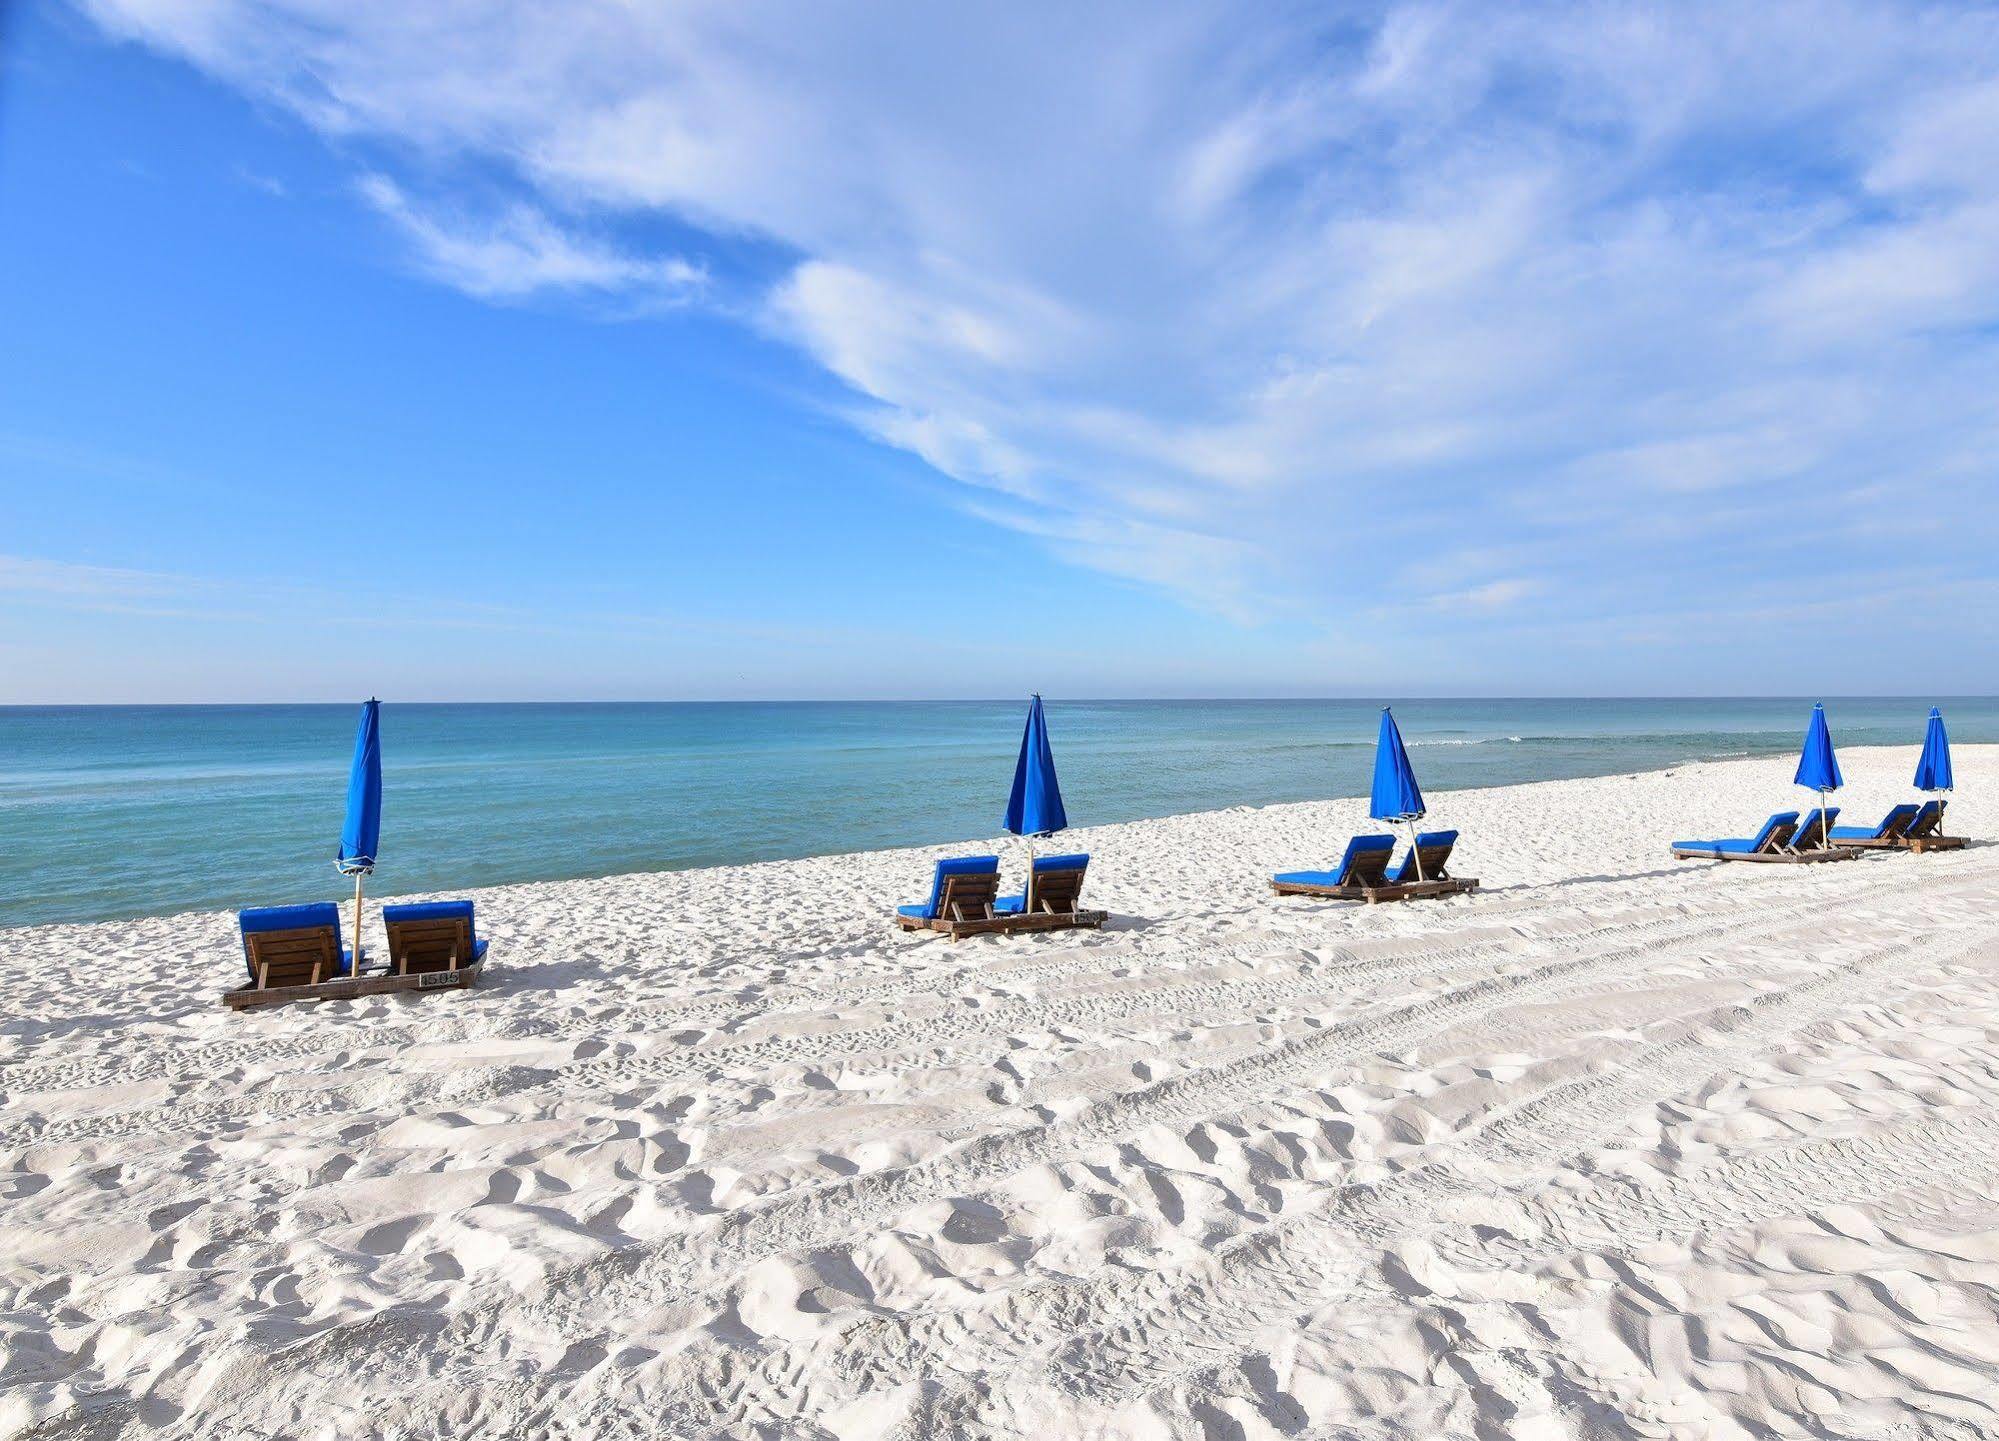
(1818, 768)
(1933, 770)
(1396, 797)
(1035, 806)
(362, 834)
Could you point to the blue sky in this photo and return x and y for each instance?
(483, 351)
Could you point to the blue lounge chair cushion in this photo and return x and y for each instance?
(1891, 824)
(1405, 873)
(956, 866)
(1356, 848)
(438, 911)
(293, 918)
(1929, 815)
(1012, 905)
(1742, 847)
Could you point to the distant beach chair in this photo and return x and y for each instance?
(1058, 886)
(287, 946)
(1888, 834)
(1362, 874)
(1925, 831)
(1771, 844)
(433, 938)
(961, 895)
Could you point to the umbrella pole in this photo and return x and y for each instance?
(1416, 851)
(359, 876)
(1027, 895)
(1825, 822)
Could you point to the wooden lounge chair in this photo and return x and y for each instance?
(1362, 868)
(1408, 881)
(1364, 865)
(1925, 832)
(961, 897)
(1058, 885)
(435, 942)
(1886, 836)
(285, 946)
(1809, 842)
(1771, 845)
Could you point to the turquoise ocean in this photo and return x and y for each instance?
(113, 811)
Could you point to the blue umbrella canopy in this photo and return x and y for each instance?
(1818, 767)
(361, 836)
(1035, 807)
(1933, 770)
(1396, 796)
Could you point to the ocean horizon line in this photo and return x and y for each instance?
(1932, 697)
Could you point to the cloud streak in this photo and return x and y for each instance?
(1277, 310)
(521, 252)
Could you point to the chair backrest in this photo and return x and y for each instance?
(1897, 821)
(1058, 883)
(1434, 849)
(291, 945)
(968, 897)
(1814, 831)
(1777, 832)
(960, 879)
(956, 872)
(1927, 820)
(430, 936)
(1366, 861)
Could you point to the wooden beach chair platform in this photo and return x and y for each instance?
(294, 953)
(1891, 834)
(1058, 889)
(1925, 832)
(1769, 846)
(965, 900)
(1363, 874)
(1006, 925)
(1375, 895)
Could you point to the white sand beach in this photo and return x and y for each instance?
(1616, 1147)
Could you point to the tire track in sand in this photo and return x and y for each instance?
(280, 1102)
(1156, 1332)
(173, 1059)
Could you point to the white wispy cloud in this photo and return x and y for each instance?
(520, 252)
(1268, 308)
(39, 576)
(1493, 595)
